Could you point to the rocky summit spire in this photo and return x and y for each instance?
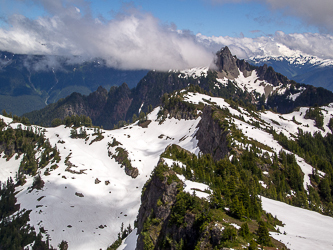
(226, 63)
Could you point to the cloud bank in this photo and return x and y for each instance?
(281, 44)
(132, 40)
(317, 13)
(137, 40)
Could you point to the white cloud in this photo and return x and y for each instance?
(320, 45)
(137, 40)
(132, 40)
(317, 13)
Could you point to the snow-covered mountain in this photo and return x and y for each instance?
(229, 77)
(205, 161)
(87, 196)
(295, 57)
(298, 66)
(86, 203)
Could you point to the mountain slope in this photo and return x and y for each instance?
(300, 68)
(109, 196)
(233, 79)
(40, 80)
(75, 203)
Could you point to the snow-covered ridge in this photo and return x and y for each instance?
(194, 72)
(87, 209)
(303, 229)
(296, 59)
(280, 123)
(252, 84)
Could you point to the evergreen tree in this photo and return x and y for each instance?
(263, 235)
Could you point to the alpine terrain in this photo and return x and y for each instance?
(232, 156)
(30, 82)
(298, 66)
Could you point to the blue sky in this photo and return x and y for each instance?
(230, 19)
(250, 19)
(164, 34)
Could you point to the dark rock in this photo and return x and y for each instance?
(79, 194)
(268, 74)
(226, 63)
(132, 171)
(211, 137)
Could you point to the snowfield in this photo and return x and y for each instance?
(303, 229)
(283, 123)
(86, 203)
(87, 209)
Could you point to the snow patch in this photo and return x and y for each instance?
(304, 229)
(130, 242)
(191, 187)
(194, 72)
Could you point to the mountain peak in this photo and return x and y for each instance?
(225, 61)
(228, 65)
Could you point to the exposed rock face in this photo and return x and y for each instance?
(133, 172)
(155, 190)
(229, 66)
(156, 228)
(226, 64)
(211, 137)
(245, 67)
(118, 102)
(268, 74)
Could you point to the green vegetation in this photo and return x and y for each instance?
(98, 134)
(27, 142)
(174, 105)
(122, 235)
(316, 115)
(233, 186)
(74, 120)
(82, 134)
(234, 199)
(15, 232)
(24, 120)
(121, 157)
(317, 151)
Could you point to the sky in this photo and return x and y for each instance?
(160, 34)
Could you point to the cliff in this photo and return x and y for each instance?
(212, 139)
(167, 220)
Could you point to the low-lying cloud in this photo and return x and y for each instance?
(132, 40)
(137, 40)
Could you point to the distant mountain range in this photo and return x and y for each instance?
(300, 68)
(212, 159)
(233, 79)
(208, 173)
(30, 82)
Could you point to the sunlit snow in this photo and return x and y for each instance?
(110, 197)
(303, 229)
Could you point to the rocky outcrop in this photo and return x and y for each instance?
(229, 66)
(157, 189)
(162, 203)
(131, 171)
(226, 64)
(212, 139)
(121, 156)
(268, 74)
